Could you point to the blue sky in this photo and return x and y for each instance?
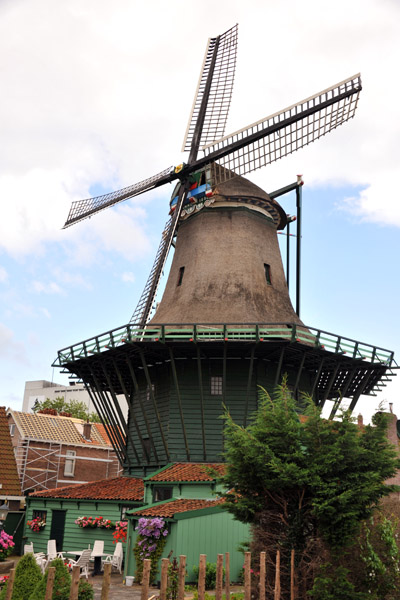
(97, 96)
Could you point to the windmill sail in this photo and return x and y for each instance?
(82, 209)
(284, 132)
(220, 93)
(144, 306)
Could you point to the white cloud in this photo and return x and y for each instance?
(45, 312)
(10, 349)
(3, 275)
(66, 278)
(128, 277)
(93, 109)
(46, 288)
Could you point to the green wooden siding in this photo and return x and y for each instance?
(210, 533)
(181, 490)
(75, 538)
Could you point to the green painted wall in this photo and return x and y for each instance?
(182, 490)
(75, 538)
(210, 533)
(192, 411)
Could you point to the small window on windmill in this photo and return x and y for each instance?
(180, 277)
(146, 448)
(267, 270)
(148, 394)
(216, 385)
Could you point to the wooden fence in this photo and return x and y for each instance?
(180, 579)
(219, 577)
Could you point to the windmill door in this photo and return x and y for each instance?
(57, 528)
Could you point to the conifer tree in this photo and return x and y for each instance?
(303, 482)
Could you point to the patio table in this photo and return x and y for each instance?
(97, 560)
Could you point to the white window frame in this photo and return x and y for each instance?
(70, 460)
(216, 385)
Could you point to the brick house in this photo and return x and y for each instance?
(52, 451)
(10, 488)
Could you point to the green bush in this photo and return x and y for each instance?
(332, 583)
(62, 583)
(211, 575)
(27, 576)
(85, 591)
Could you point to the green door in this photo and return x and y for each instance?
(57, 528)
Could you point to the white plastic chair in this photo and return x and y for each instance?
(82, 562)
(116, 558)
(52, 552)
(39, 556)
(98, 547)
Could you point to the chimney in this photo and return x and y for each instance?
(87, 430)
(360, 421)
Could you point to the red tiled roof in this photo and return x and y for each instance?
(101, 430)
(188, 472)
(8, 468)
(118, 488)
(169, 509)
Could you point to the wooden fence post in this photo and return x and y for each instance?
(277, 594)
(164, 578)
(146, 578)
(105, 588)
(247, 575)
(181, 577)
(10, 584)
(292, 575)
(50, 583)
(76, 575)
(219, 578)
(227, 577)
(262, 576)
(201, 584)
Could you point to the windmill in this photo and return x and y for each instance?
(240, 153)
(225, 324)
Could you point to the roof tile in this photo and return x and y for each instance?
(188, 472)
(118, 488)
(8, 469)
(169, 509)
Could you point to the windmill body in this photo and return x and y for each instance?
(225, 324)
(227, 265)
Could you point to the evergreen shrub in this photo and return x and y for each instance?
(27, 576)
(62, 583)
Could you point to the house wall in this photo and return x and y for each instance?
(41, 464)
(209, 532)
(180, 490)
(75, 537)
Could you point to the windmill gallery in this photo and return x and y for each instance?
(225, 324)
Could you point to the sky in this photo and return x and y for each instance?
(96, 96)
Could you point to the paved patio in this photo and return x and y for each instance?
(118, 590)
